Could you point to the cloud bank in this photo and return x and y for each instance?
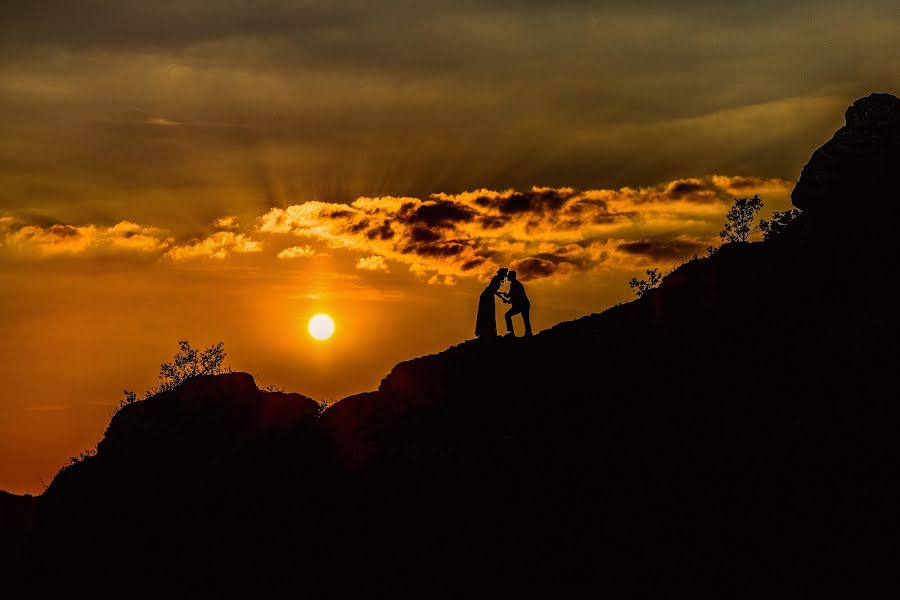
(60, 239)
(541, 232)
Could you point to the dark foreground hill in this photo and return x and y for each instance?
(736, 427)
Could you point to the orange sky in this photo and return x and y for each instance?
(223, 172)
(89, 310)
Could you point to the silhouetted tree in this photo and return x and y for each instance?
(130, 397)
(187, 363)
(642, 286)
(779, 223)
(739, 220)
(323, 405)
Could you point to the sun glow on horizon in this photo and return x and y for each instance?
(321, 326)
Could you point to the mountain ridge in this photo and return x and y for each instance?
(724, 427)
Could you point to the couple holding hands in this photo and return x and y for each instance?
(486, 319)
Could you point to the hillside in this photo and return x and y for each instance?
(720, 432)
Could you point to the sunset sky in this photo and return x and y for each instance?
(223, 171)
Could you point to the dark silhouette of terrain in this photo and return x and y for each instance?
(735, 428)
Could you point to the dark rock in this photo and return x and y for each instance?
(854, 176)
(209, 415)
(17, 522)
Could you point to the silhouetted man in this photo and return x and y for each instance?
(520, 304)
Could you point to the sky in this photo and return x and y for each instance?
(223, 171)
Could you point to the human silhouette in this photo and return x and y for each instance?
(486, 318)
(520, 304)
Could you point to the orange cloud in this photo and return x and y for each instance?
(749, 186)
(448, 280)
(372, 263)
(305, 251)
(56, 240)
(226, 222)
(543, 231)
(217, 246)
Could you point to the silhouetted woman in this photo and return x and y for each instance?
(486, 319)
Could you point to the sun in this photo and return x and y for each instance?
(321, 326)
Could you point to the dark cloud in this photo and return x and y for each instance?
(438, 250)
(471, 264)
(268, 104)
(693, 190)
(421, 234)
(662, 250)
(437, 214)
(362, 225)
(492, 222)
(680, 189)
(538, 201)
(382, 232)
(177, 22)
(536, 268)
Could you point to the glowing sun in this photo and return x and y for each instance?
(321, 326)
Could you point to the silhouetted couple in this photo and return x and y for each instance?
(486, 319)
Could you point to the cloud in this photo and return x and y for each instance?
(749, 186)
(62, 239)
(546, 232)
(217, 246)
(226, 222)
(305, 251)
(447, 234)
(663, 250)
(452, 116)
(123, 238)
(448, 280)
(372, 263)
(690, 190)
(535, 267)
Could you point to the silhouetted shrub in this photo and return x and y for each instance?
(74, 460)
(187, 363)
(642, 286)
(739, 220)
(779, 223)
(323, 405)
(130, 397)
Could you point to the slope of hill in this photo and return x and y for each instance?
(722, 431)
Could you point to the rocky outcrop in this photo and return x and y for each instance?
(197, 441)
(209, 415)
(857, 170)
